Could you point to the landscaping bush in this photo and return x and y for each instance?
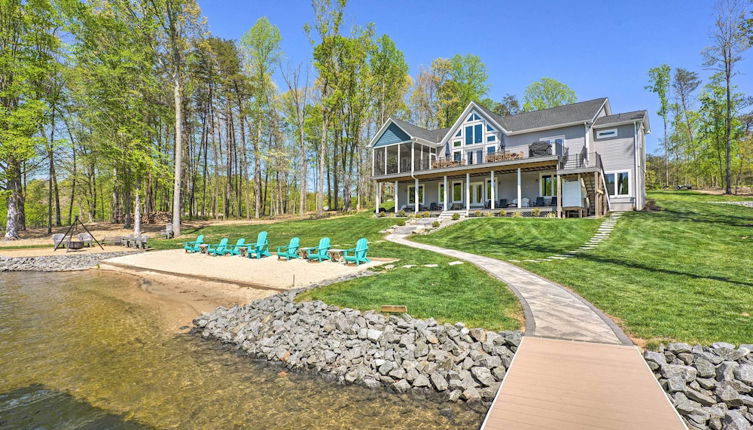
(551, 215)
(401, 213)
(435, 224)
(477, 213)
(400, 222)
(502, 213)
(381, 214)
(517, 215)
(536, 212)
(455, 217)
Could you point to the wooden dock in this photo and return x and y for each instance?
(560, 384)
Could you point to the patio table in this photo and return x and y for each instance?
(243, 250)
(335, 254)
(203, 248)
(302, 252)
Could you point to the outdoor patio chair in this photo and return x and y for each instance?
(434, 207)
(236, 249)
(320, 252)
(554, 201)
(526, 202)
(86, 238)
(195, 245)
(219, 249)
(540, 201)
(358, 253)
(141, 242)
(502, 203)
(290, 251)
(168, 232)
(260, 248)
(58, 238)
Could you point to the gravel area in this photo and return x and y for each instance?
(56, 263)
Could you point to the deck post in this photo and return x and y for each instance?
(467, 193)
(597, 209)
(378, 196)
(397, 206)
(520, 190)
(559, 196)
(493, 190)
(415, 197)
(412, 157)
(373, 162)
(445, 193)
(398, 157)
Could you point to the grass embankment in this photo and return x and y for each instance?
(682, 273)
(446, 293)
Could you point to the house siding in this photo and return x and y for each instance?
(393, 134)
(574, 139)
(618, 153)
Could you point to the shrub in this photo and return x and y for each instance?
(400, 222)
(435, 224)
(401, 213)
(455, 217)
(536, 212)
(502, 213)
(381, 214)
(551, 215)
(477, 213)
(517, 215)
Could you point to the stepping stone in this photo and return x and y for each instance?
(514, 261)
(455, 263)
(408, 266)
(431, 265)
(389, 266)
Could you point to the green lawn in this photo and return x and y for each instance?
(446, 293)
(683, 273)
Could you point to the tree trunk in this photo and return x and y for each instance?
(322, 153)
(137, 213)
(178, 154)
(14, 199)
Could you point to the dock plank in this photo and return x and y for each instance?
(561, 384)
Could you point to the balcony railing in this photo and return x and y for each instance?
(581, 160)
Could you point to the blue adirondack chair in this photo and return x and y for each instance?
(219, 249)
(358, 254)
(236, 249)
(290, 251)
(320, 252)
(194, 246)
(260, 248)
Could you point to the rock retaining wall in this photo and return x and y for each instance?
(367, 348)
(56, 263)
(711, 387)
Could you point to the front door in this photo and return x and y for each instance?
(477, 193)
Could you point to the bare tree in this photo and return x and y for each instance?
(729, 42)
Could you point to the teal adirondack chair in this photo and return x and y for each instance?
(219, 249)
(236, 249)
(260, 248)
(358, 253)
(320, 252)
(194, 246)
(290, 251)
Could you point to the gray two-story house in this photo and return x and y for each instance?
(577, 159)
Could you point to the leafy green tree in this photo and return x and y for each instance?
(659, 78)
(509, 105)
(547, 93)
(389, 78)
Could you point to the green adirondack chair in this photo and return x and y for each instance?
(219, 249)
(260, 248)
(320, 252)
(236, 249)
(290, 251)
(194, 246)
(358, 253)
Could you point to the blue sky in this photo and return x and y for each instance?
(597, 47)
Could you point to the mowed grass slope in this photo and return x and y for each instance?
(683, 273)
(446, 293)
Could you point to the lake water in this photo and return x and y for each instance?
(84, 350)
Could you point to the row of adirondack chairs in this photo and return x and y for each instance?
(260, 249)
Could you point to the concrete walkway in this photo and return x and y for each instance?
(550, 309)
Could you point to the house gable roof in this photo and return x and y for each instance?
(622, 118)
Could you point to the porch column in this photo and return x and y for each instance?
(398, 157)
(467, 193)
(493, 197)
(378, 196)
(412, 156)
(397, 206)
(373, 161)
(520, 190)
(559, 196)
(415, 197)
(446, 206)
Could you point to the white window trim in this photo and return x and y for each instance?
(541, 181)
(457, 152)
(457, 141)
(551, 138)
(630, 182)
(412, 194)
(612, 132)
(474, 184)
(452, 194)
(440, 193)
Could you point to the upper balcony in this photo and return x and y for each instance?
(413, 159)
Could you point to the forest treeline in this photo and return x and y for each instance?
(120, 110)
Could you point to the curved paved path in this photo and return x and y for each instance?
(550, 309)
